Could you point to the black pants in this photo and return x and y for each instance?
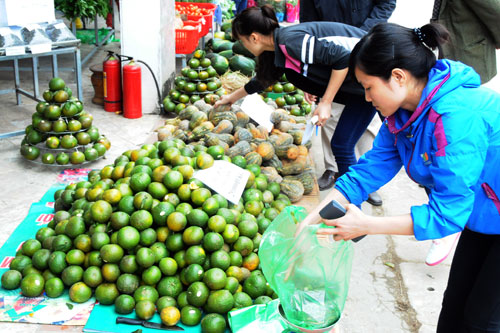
(472, 298)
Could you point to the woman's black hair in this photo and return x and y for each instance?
(388, 46)
(262, 20)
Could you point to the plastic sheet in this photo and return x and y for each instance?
(310, 273)
(9, 38)
(59, 32)
(34, 34)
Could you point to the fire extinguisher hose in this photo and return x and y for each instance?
(160, 104)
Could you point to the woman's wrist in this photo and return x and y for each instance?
(370, 225)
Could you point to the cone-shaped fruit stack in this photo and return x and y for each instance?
(61, 131)
(199, 80)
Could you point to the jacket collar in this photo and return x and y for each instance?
(391, 120)
(279, 57)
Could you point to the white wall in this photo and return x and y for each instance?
(147, 34)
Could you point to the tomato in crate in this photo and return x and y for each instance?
(202, 12)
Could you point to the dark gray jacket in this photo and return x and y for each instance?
(363, 14)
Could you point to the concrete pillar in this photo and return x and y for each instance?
(147, 34)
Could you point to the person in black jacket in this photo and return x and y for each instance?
(363, 14)
(314, 56)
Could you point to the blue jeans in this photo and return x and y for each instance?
(355, 118)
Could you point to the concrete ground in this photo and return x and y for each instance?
(391, 289)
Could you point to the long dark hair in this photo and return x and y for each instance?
(262, 20)
(388, 46)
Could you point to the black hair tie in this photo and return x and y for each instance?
(419, 34)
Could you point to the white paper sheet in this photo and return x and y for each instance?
(225, 178)
(258, 110)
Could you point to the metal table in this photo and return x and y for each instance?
(36, 92)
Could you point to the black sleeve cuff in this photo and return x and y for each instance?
(253, 86)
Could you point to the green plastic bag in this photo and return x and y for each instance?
(259, 318)
(309, 273)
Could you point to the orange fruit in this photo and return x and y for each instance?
(170, 315)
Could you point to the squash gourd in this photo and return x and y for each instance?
(213, 139)
(278, 116)
(282, 139)
(241, 148)
(242, 118)
(224, 127)
(283, 151)
(292, 188)
(307, 180)
(297, 136)
(179, 134)
(242, 134)
(216, 116)
(265, 150)
(275, 162)
(303, 151)
(253, 158)
(184, 125)
(271, 174)
(294, 167)
(187, 112)
(196, 119)
(203, 106)
(200, 131)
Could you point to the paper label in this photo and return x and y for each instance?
(225, 178)
(258, 110)
(15, 50)
(40, 48)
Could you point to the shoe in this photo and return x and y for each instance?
(327, 180)
(374, 199)
(440, 249)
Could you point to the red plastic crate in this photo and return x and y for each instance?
(205, 20)
(186, 40)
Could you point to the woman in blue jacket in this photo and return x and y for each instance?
(315, 58)
(445, 130)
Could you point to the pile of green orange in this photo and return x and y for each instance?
(199, 80)
(61, 131)
(287, 96)
(144, 235)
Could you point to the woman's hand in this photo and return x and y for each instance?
(310, 98)
(353, 224)
(232, 97)
(323, 111)
(225, 99)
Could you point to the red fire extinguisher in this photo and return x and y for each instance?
(132, 91)
(112, 83)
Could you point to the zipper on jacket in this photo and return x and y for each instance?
(409, 162)
(491, 195)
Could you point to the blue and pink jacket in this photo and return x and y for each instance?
(451, 145)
